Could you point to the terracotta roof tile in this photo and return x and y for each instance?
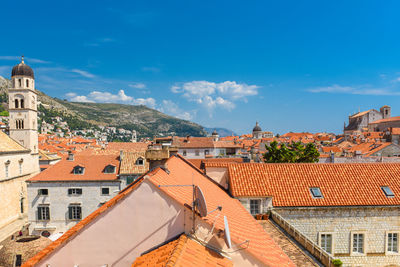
(386, 120)
(242, 225)
(7, 144)
(129, 166)
(342, 184)
(94, 169)
(199, 162)
(182, 252)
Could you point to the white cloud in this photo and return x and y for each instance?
(107, 97)
(171, 108)
(137, 85)
(365, 90)
(215, 95)
(83, 73)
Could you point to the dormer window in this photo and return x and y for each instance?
(140, 161)
(388, 192)
(109, 169)
(316, 192)
(79, 170)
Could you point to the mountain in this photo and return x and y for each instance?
(222, 132)
(146, 121)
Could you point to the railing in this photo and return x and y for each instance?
(308, 244)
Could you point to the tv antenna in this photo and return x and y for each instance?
(199, 203)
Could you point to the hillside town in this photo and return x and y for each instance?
(188, 200)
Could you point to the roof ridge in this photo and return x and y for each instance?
(177, 251)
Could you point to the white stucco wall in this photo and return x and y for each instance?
(59, 200)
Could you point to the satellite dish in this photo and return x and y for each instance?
(200, 201)
(227, 235)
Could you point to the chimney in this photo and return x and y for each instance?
(71, 156)
(157, 156)
(121, 155)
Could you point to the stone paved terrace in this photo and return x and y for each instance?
(299, 256)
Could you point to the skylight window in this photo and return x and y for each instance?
(316, 192)
(388, 192)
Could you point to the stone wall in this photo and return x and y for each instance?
(59, 200)
(375, 222)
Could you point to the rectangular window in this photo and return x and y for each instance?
(388, 192)
(358, 243)
(393, 242)
(206, 152)
(75, 212)
(255, 205)
(316, 192)
(43, 213)
(326, 242)
(43, 192)
(184, 153)
(75, 191)
(105, 191)
(197, 152)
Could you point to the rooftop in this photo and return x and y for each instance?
(341, 184)
(183, 252)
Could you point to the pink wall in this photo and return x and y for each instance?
(144, 219)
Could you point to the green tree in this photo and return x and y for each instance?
(295, 152)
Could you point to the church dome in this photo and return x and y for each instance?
(22, 70)
(257, 128)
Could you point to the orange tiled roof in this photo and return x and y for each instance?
(128, 163)
(94, 169)
(127, 146)
(386, 120)
(242, 225)
(199, 162)
(351, 184)
(334, 149)
(395, 130)
(182, 252)
(7, 144)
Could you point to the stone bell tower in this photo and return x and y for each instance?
(22, 101)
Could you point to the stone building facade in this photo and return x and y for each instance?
(342, 223)
(18, 152)
(350, 211)
(360, 121)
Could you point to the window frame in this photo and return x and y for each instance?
(387, 191)
(320, 234)
(387, 252)
(108, 167)
(40, 192)
(101, 191)
(71, 212)
(184, 153)
(364, 244)
(138, 163)
(315, 196)
(197, 152)
(74, 192)
(78, 167)
(259, 200)
(46, 209)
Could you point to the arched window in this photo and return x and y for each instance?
(27, 83)
(140, 161)
(16, 124)
(20, 82)
(22, 124)
(16, 103)
(22, 103)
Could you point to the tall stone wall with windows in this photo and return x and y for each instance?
(342, 222)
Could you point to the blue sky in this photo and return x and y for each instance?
(291, 65)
